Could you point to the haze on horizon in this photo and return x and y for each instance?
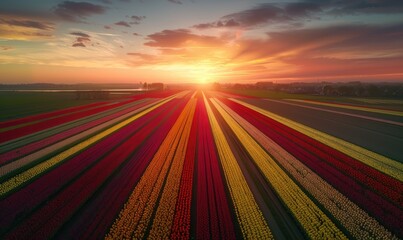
(200, 41)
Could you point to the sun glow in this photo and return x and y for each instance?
(202, 72)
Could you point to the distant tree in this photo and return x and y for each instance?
(156, 86)
(216, 85)
(327, 90)
(346, 90)
(373, 91)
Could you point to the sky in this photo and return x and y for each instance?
(200, 41)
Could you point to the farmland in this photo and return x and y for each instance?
(202, 164)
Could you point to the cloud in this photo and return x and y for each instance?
(21, 28)
(137, 19)
(180, 38)
(78, 44)
(218, 24)
(81, 39)
(270, 13)
(77, 11)
(175, 1)
(143, 56)
(111, 1)
(28, 24)
(107, 27)
(332, 52)
(137, 34)
(122, 23)
(133, 20)
(265, 14)
(295, 13)
(80, 34)
(343, 7)
(6, 48)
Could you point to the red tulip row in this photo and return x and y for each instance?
(213, 217)
(25, 130)
(87, 164)
(34, 146)
(343, 172)
(152, 202)
(164, 214)
(379, 181)
(44, 116)
(354, 219)
(111, 198)
(181, 225)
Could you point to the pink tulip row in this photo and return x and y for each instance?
(47, 123)
(41, 117)
(357, 222)
(34, 146)
(78, 178)
(344, 173)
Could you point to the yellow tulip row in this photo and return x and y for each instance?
(315, 223)
(163, 220)
(366, 109)
(135, 216)
(359, 224)
(31, 173)
(377, 161)
(250, 218)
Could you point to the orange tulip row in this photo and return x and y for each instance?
(164, 216)
(134, 219)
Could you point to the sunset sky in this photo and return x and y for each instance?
(200, 41)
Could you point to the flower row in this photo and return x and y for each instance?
(182, 217)
(53, 136)
(350, 185)
(249, 216)
(359, 224)
(135, 217)
(313, 220)
(39, 117)
(213, 216)
(374, 160)
(43, 188)
(24, 177)
(113, 195)
(48, 123)
(164, 215)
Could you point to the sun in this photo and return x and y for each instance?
(205, 79)
(203, 73)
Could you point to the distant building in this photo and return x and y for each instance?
(156, 86)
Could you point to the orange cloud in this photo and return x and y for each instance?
(337, 52)
(181, 38)
(21, 28)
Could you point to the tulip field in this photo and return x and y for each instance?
(194, 164)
